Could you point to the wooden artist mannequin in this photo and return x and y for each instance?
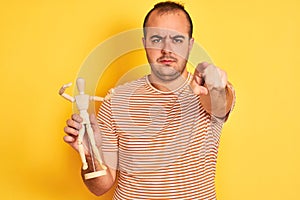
(82, 103)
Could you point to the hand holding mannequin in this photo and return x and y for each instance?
(83, 125)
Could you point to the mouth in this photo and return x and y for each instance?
(166, 61)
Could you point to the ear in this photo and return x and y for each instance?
(191, 43)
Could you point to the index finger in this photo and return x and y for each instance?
(201, 67)
(199, 76)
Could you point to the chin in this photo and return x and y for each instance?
(168, 76)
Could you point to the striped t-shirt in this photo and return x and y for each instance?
(167, 143)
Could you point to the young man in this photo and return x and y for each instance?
(162, 131)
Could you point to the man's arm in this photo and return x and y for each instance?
(101, 184)
(217, 95)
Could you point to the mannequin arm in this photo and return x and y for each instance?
(96, 98)
(63, 94)
(68, 97)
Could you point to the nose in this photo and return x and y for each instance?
(166, 48)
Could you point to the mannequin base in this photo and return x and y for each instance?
(94, 174)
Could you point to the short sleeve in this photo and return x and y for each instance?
(108, 133)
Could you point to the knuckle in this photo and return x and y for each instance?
(74, 124)
(65, 138)
(68, 122)
(70, 131)
(74, 116)
(66, 129)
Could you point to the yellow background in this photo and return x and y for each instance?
(43, 44)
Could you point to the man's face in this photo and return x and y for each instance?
(167, 44)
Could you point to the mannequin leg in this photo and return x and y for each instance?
(81, 148)
(94, 147)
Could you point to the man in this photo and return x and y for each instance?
(162, 131)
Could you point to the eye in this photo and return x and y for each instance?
(156, 40)
(177, 40)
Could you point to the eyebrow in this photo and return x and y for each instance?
(171, 37)
(155, 36)
(177, 37)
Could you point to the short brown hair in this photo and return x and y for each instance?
(169, 6)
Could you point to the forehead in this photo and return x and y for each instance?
(151, 31)
(172, 22)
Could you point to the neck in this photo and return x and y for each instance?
(168, 86)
